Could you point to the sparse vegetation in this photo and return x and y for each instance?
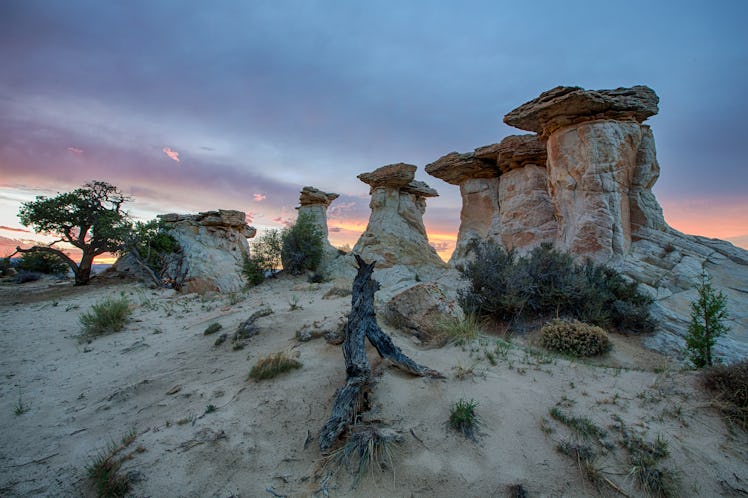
(108, 316)
(367, 449)
(644, 459)
(574, 338)
(264, 258)
(104, 470)
(42, 262)
(729, 383)
(458, 331)
(212, 328)
(210, 409)
(548, 283)
(273, 365)
(152, 247)
(28, 276)
(21, 407)
(337, 292)
(302, 246)
(708, 316)
(584, 427)
(463, 419)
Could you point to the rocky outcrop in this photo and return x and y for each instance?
(212, 249)
(395, 234)
(313, 202)
(568, 105)
(478, 178)
(422, 311)
(601, 162)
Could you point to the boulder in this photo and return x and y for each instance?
(421, 310)
(213, 245)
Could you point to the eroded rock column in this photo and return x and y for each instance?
(314, 203)
(478, 179)
(600, 164)
(395, 234)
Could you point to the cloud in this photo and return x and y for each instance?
(249, 216)
(259, 197)
(171, 153)
(75, 150)
(442, 246)
(334, 229)
(11, 229)
(283, 221)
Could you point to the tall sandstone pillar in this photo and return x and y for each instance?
(601, 165)
(314, 203)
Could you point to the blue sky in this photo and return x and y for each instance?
(257, 99)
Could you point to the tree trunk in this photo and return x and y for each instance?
(362, 322)
(83, 272)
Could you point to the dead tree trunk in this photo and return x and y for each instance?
(362, 322)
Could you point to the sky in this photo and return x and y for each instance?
(191, 105)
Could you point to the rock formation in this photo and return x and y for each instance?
(504, 194)
(213, 245)
(478, 179)
(395, 234)
(314, 203)
(596, 147)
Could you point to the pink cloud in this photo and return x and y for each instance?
(75, 150)
(260, 197)
(11, 229)
(171, 153)
(283, 221)
(249, 217)
(339, 209)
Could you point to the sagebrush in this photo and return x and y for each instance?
(548, 283)
(574, 338)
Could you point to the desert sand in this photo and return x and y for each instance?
(159, 375)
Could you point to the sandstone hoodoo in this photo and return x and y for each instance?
(314, 202)
(478, 179)
(213, 245)
(597, 147)
(395, 234)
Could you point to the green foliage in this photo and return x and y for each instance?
(110, 315)
(574, 338)
(273, 365)
(302, 246)
(582, 426)
(153, 244)
(463, 419)
(458, 331)
(103, 471)
(264, 258)
(43, 262)
(708, 315)
(730, 385)
(546, 282)
(212, 328)
(90, 218)
(5, 266)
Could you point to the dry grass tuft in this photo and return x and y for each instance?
(367, 448)
(730, 385)
(273, 365)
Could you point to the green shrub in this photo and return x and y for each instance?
(545, 283)
(264, 258)
(273, 365)
(574, 338)
(212, 328)
(43, 262)
(28, 276)
(708, 315)
(730, 385)
(302, 246)
(153, 244)
(5, 267)
(110, 315)
(463, 419)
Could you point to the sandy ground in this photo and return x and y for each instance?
(158, 377)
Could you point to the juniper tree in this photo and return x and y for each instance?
(708, 316)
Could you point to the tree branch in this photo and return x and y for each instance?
(51, 250)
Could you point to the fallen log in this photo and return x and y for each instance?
(362, 323)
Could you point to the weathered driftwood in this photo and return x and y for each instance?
(362, 323)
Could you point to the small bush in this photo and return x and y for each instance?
(43, 262)
(104, 470)
(5, 267)
(110, 315)
(730, 385)
(264, 258)
(367, 449)
(458, 331)
(463, 419)
(273, 365)
(574, 338)
(545, 283)
(28, 276)
(212, 328)
(302, 246)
